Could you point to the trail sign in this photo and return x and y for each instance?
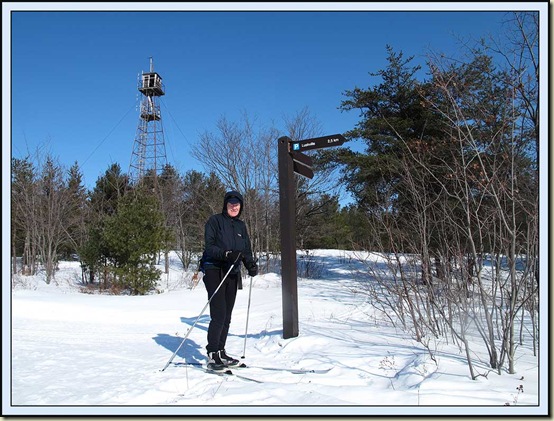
(318, 142)
(302, 164)
(287, 212)
(303, 170)
(290, 161)
(302, 158)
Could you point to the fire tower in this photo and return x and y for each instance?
(148, 157)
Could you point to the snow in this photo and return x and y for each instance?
(76, 353)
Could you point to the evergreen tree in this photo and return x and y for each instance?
(396, 123)
(109, 189)
(104, 198)
(23, 191)
(77, 213)
(394, 117)
(326, 227)
(134, 235)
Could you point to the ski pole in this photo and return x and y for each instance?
(247, 314)
(201, 313)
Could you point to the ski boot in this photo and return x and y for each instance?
(227, 360)
(214, 362)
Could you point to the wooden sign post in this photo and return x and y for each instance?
(291, 160)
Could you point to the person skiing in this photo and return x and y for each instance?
(227, 244)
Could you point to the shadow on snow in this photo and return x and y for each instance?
(192, 352)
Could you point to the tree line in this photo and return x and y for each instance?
(120, 228)
(446, 191)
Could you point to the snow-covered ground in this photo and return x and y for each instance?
(70, 353)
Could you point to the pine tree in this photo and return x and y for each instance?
(134, 235)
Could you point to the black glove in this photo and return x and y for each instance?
(252, 269)
(232, 255)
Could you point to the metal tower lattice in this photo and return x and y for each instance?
(148, 158)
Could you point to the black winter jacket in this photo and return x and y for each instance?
(222, 233)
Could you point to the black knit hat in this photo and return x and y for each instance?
(231, 197)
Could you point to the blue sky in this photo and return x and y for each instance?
(74, 73)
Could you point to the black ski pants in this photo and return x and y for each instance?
(221, 306)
